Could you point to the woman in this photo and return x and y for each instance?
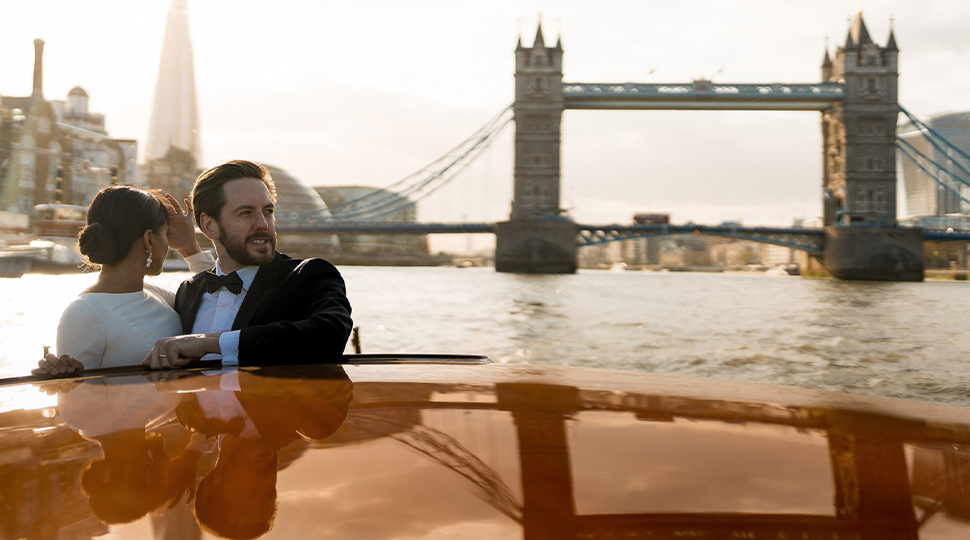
(119, 318)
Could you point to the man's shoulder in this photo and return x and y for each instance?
(185, 289)
(308, 266)
(192, 280)
(197, 277)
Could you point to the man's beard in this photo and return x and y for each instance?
(238, 251)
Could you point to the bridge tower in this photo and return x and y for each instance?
(538, 238)
(859, 134)
(862, 240)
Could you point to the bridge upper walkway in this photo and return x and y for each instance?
(703, 95)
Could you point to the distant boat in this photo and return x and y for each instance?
(52, 248)
(786, 270)
(56, 227)
(16, 261)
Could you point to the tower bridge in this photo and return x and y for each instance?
(857, 99)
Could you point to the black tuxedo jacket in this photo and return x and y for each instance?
(283, 410)
(296, 311)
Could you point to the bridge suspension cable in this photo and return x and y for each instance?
(935, 138)
(943, 151)
(923, 127)
(907, 153)
(418, 185)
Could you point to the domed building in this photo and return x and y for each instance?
(77, 100)
(296, 202)
(383, 248)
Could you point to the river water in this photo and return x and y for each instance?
(905, 340)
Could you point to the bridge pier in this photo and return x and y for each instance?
(536, 246)
(874, 252)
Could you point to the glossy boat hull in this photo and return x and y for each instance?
(438, 449)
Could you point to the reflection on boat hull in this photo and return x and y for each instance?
(508, 451)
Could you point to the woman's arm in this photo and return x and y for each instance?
(181, 228)
(81, 335)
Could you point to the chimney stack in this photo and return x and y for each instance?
(38, 68)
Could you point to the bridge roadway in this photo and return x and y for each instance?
(384, 227)
(805, 239)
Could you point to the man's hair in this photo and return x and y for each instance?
(208, 196)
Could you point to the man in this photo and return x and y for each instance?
(258, 307)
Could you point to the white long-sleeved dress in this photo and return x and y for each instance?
(119, 329)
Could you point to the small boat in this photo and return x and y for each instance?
(52, 246)
(55, 228)
(16, 261)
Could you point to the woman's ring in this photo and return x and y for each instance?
(163, 356)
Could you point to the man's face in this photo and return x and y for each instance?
(247, 225)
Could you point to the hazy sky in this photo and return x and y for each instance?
(367, 92)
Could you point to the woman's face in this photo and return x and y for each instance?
(159, 250)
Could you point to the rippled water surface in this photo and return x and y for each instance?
(908, 340)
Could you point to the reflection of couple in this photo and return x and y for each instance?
(257, 307)
(241, 419)
(121, 416)
(252, 419)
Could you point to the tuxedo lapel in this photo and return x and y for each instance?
(189, 307)
(263, 284)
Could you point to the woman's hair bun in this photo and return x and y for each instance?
(117, 216)
(98, 244)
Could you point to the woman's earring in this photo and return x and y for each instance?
(148, 263)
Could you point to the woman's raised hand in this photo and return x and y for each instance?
(181, 227)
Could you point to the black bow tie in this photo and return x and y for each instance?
(232, 282)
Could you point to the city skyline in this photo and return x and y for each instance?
(366, 95)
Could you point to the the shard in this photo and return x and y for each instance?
(175, 115)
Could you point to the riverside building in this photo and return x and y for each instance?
(57, 150)
(354, 200)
